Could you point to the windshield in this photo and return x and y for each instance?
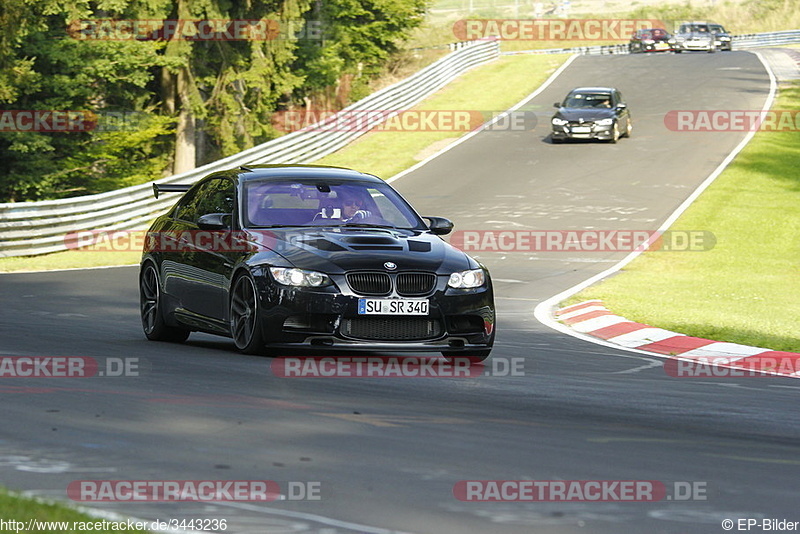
(696, 28)
(271, 203)
(588, 100)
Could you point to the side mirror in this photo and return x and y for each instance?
(214, 221)
(557, 104)
(621, 105)
(440, 225)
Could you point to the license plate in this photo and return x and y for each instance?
(661, 45)
(392, 307)
(581, 129)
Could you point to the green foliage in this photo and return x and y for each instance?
(359, 36)
(44, 68)
(229, 88)
(239, 83)
(671, 12)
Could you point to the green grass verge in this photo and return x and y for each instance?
(23, 509)
(744, 290)
(492, 87)
(70, 259)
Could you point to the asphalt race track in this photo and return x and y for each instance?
(387, 452)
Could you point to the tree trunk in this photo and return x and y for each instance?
(185, 148)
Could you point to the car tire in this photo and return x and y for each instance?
(615, 134)
(245, 316)
(628, 128)
(678, 51)
(474, 356)
(151, 309)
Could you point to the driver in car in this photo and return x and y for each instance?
(350, 207)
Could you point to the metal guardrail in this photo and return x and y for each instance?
(582, 50)
(32, 228)
(752, 40)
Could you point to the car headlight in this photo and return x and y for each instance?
(467, 279)
(559, 122)
(289, 276)
(604, 122)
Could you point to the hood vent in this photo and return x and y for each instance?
(419, 246)
(376, 247)
(370, 240)
(323, 244)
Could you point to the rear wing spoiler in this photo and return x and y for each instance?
(170, 188)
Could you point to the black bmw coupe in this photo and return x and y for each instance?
(302, 256)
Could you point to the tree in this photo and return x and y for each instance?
(359, 37)
(43, 67)
(168, 100)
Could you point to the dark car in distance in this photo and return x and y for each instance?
(591, 113)
(311, 257)
(724, 40)
(651, 40)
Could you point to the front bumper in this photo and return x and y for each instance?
(583, 131)
(699, 46)
(458, 320)
(659, 46)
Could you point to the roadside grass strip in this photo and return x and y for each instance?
(687, 356)
(25, 514)
(745, 289)
(493, 87)
(69, 259)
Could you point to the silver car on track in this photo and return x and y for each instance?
(701, 36)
